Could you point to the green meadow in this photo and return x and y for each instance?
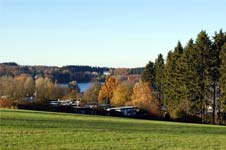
(35, 130)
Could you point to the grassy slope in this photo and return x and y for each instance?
(32, 130)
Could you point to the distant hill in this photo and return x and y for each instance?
(63, 74)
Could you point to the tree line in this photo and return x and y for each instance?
(192, 79)
(189, 85)
(65, 74)
(116, 91)
(24, 88)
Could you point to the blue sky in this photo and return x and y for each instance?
(114, 33)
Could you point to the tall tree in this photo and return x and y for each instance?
(43, 89)
(159, 67)
(223, 79)
(29, 86)
(167, 77)
(189, 77)
(106, 92)
(203, 48)
(219, 41)
(173, 79)
(19, 91)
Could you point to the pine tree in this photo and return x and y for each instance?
(223, 79)
(179, 72)
(189, 77)
(219, 40)
(173, 80)
(203, 47)
(159, 67)
(167, 85)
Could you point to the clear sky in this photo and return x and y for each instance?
(113, 33)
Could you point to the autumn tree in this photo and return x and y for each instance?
(55, 91)
(29, 86)
(122, 94)
(143, 98)
(19, 86)
(106, 92)
(42, 86)
(7, 86)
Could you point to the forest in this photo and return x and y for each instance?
(192, 79)
(62, 75)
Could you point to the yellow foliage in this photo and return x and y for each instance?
(122, 94)
(143, 98)
(106, 92)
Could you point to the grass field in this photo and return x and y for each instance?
(33, 130)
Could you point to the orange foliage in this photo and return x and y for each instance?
(106, 92)
(143, 98)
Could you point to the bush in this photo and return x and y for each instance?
(6, 103)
